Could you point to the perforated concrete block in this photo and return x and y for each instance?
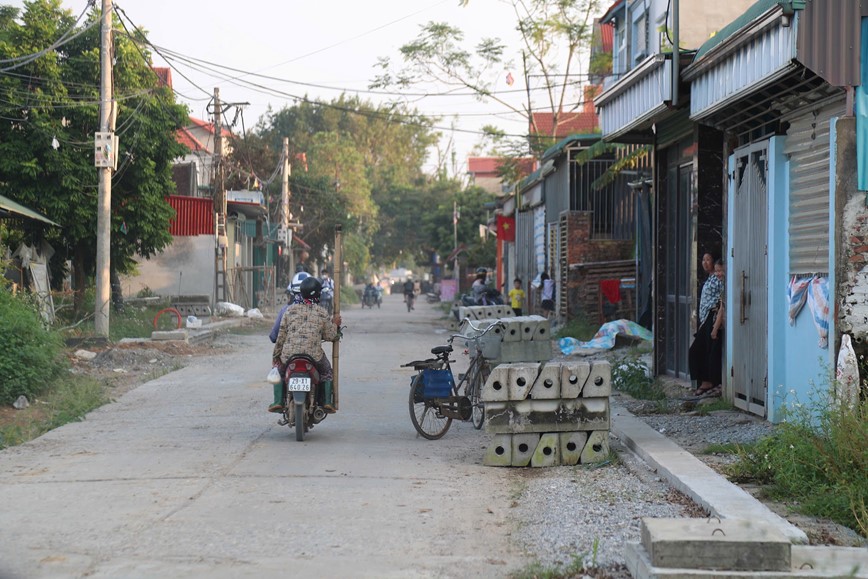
(548, 452)
(512, 332)
(574, 375)
(586, 413)
(521, 378)
(499, 452)
(507, 312)
(597, 447)
(548, 383)
(572, 444)
(529, 325)
(543, 330)
(599, 381)
(523, 447)
(466, 312)
(497, 386)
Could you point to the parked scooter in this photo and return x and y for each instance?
(432, 297)
(302, 409)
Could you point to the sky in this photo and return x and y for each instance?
(334, 44)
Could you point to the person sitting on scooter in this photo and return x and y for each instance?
(293, 293)
(302, 330)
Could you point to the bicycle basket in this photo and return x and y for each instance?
(437, 383)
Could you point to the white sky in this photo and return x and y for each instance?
(333, 43)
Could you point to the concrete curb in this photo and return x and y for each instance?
(692, 477)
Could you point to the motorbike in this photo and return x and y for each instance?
(432, 297)
(302, 409)
(327, 299)
(489, 297)
(371, 297)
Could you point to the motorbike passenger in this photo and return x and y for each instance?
(293, 292)
(302, 330)
(409, 291)
(479, 287)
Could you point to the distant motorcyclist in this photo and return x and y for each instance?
(328, 290)
(303, 328)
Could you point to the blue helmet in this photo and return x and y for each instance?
(295, 286)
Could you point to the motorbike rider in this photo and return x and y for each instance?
(293, 292)
(303, 328)
(328, 289)
(409, 290)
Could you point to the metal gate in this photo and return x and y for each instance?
(748, 273)
(677, 272)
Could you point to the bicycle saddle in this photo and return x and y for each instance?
(437, 350)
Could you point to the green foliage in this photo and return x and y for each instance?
(817, 466)
(632, 377)
(30, 356)
(579, 565)
(578, 328)
(713, 406)
(56, 97)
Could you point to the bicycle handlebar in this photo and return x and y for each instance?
(472, 327)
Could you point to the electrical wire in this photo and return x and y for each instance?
(56, 44)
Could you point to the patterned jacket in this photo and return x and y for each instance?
(302, 330)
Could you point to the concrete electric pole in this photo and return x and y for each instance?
(220, 257)
(283, 233)
(105, 159)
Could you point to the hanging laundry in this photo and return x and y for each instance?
(611, 288)
(818, 302)
(797, 295)
(813, 290)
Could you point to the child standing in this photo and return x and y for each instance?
(516, 296)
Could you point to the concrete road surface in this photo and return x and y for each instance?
(189, 476)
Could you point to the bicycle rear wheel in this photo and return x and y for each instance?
(474, 392)
(426, 418)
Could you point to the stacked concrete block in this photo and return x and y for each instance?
(485, 312)
(561, 409)
(525, 339)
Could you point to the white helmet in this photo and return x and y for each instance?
(295, 286)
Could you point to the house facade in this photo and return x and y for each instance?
(755, 156)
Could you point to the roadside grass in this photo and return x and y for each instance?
(814, 462)
(725, 448)
(580, 565)
(579, 328)
(67, 401)
(714, 406)
(632, 377)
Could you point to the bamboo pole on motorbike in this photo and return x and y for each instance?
(338, 277)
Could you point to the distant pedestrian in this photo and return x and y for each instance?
(704, 358)
(548, 295)
(516, 297)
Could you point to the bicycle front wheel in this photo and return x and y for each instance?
(474, 392)
(424, 414)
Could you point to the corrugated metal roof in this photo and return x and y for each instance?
(558, 148)
(751, 14)
(9, 206)
(829, 37)
(193, 216)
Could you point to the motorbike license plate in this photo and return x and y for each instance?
(300, 384)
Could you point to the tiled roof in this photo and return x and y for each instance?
(208, 126)
(481, 166)
(568, 124)
(607, 38)
(185, 137)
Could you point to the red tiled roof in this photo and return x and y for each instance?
(607, 38)
(208, 126)
(481, 166)
(568, 124)
(164, 74)
(185, 137)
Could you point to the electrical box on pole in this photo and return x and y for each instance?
(105, 151)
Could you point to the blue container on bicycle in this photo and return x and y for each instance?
(437, 383)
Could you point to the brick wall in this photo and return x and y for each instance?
(590, 261)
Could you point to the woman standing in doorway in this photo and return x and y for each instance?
(703, 368)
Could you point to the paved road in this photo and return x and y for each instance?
(188, 475)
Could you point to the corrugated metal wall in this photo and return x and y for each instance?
(808, 147)
(194, 216)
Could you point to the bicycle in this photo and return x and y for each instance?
(436, 399)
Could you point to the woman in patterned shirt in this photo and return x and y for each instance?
(704, 369)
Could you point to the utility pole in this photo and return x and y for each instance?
(284, 233)
(455, 243)
(220, 256)
(105, 159)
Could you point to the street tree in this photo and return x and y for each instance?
(50, 110)
(555, 37)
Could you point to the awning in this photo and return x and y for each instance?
(637, 99)
(10, 207)
(248, 210)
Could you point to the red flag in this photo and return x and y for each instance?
(505, 228)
